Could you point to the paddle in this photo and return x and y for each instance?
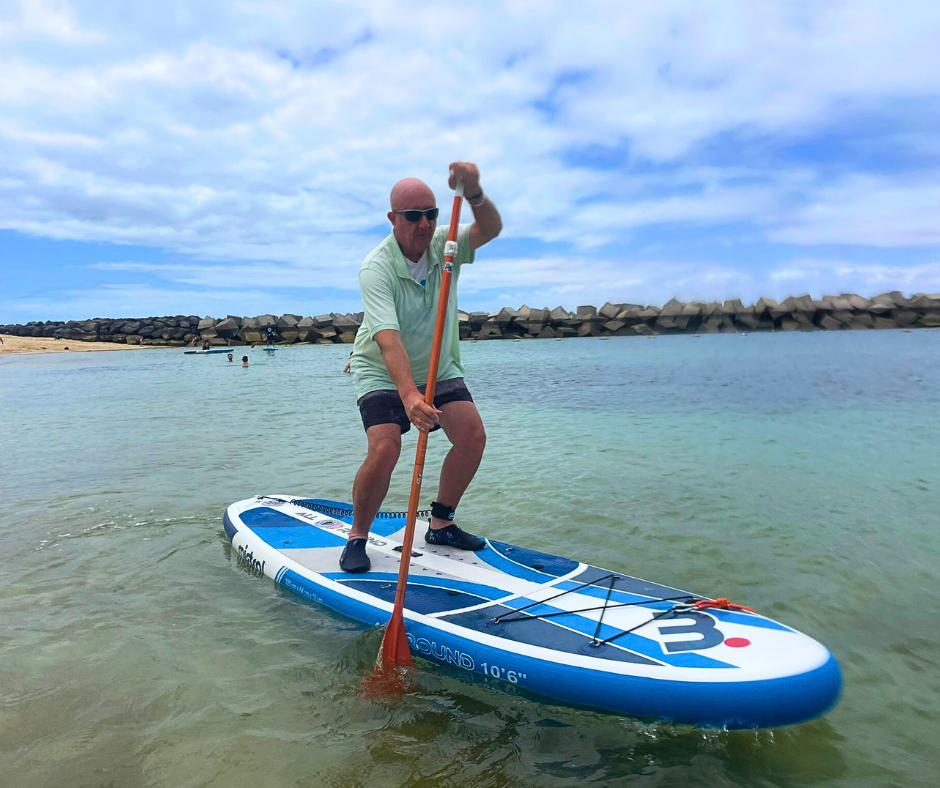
(390, 675)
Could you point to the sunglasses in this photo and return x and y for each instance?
(415, 215)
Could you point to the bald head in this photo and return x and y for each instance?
(411, 193)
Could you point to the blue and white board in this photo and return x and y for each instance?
(209, 352)
(555, 626)
(269, 348)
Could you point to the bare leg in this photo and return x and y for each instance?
(372, 480)
(462, 424)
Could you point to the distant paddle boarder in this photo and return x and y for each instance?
(400, 281)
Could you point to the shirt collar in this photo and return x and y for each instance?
(398, 259)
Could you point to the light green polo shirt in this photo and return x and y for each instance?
(392, 299)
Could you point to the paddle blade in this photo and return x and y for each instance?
(395, 651)
(393, 667)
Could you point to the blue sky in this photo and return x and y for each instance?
(235, 158)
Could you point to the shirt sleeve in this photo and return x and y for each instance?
(465, 254)
(378, 302)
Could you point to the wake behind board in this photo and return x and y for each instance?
(209, 352)
(564, 629)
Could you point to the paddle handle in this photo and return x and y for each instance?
(450, 252)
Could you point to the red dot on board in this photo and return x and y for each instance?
(737, 642)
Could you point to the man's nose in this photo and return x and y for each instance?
(423, 223)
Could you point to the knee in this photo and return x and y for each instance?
(475, 439)
(385, 453)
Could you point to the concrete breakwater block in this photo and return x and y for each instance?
(846, 311)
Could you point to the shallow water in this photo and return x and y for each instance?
(797, 474)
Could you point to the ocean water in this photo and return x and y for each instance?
(796, 473)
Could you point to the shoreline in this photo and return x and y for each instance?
(21, 346)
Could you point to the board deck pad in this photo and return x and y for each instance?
(571, 631)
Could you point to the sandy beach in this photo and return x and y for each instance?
(13, 345)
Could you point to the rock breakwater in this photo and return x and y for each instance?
(797, 313)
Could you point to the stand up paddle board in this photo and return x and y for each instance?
(210, 351)
(269, 348)
(558, 627)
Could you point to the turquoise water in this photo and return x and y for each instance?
(797, 474)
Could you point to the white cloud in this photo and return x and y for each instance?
(44, 19)
(314, 274)
(590, 280)
(266, 135)
(831, 277)
(593, 280)
(868, 211)
(118, 300)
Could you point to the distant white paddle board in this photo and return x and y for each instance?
(209, 352)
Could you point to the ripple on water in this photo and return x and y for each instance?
(796, 474)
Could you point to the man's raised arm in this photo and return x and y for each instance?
(487, 222)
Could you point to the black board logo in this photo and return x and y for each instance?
(708, 635)
(246, 560)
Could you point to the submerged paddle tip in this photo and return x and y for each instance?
(389, 683)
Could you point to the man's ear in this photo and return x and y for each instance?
(391, 218)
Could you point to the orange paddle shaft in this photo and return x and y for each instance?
(395, 651)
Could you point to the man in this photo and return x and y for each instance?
(400, 282)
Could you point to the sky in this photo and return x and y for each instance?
(236, 157)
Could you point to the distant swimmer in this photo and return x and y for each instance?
(231, 357)
(348, 363)
(205, 345)
(244, 361)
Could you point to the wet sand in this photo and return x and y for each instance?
(13, 345)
